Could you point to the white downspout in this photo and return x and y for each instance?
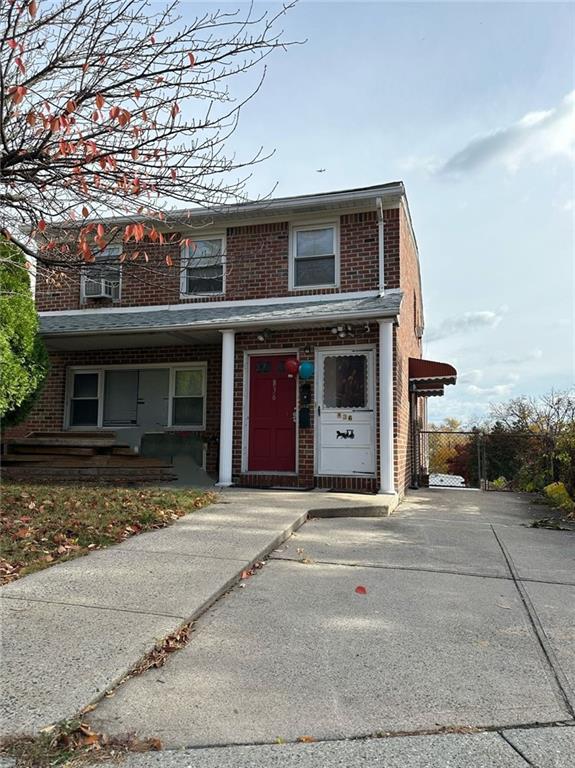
(381, 241)
(386, 447)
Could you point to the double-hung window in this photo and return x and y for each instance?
(102, 279)
(188, 397)
(203, 264)
(314, 256)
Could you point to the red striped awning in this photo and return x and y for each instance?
(429, 377)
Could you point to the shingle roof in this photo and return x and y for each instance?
(199, 316)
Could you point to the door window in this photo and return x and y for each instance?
(345, 381)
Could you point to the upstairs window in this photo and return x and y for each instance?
(102, 279)
(203, 267)
(314, 257)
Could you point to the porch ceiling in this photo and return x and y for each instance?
(199, 323)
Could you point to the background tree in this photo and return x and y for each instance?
(92, 96)
(534, 437)
(23, 358)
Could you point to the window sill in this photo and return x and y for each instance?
(200, 295)
(298, 288)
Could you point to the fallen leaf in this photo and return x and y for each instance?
(306, 739)
(361, 590)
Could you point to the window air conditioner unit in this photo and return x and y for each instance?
(98, 289)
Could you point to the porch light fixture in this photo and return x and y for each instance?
(264, 335)
(307, 349)
(345, 331)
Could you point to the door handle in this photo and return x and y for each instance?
(319, 410)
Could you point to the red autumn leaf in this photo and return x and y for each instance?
(85, 212)
(12, 44)
(20, 64)
(245, 575)
(124, 117)
(31, 118)
(152, 39)
(361, 590)
(192, 59)
(70, 106)
(173, 173)
(306, 739)
(85, 66)
(175, 109)
(100, 230)
(137, 93)
(17, 92)
(41, 225)
(32, 8)
(99, 100)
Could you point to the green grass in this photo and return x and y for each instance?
(41, 525)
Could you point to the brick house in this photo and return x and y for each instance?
(281, 336)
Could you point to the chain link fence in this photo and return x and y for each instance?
(494, 461)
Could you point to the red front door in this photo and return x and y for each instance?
(272, 415)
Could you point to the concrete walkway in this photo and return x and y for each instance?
(72, 631)
(551, 747)
(465, 620)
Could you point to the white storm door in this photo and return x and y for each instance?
(345, 412)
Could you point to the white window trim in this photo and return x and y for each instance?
(117, 249)
(172, 393)
(184, 256)
(135, 367)
(294, 229)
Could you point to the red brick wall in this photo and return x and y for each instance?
(406, 345)
(257, 263)
(296, 339)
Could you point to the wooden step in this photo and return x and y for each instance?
(76, 441)
(18, 447)
(123, 450)
(104, 434)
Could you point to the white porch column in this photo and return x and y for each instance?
(227, 408)
(387, 484)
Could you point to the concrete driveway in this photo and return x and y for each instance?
(465, 619)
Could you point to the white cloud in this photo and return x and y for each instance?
(467, 322)
(535, 137)
(569, 205)
(501, 390)
(534, 354)
(470, 377)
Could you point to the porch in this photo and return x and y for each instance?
(221, 383)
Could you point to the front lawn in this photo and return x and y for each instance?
(41, 525)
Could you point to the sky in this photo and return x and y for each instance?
(472, 105)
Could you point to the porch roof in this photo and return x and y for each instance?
(198, 317)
